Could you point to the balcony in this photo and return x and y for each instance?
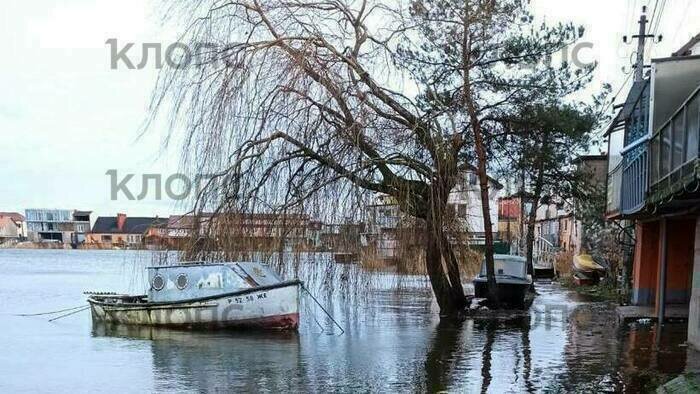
(627, 154)
(635, 173)
(674, 151)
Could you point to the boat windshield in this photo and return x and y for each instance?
(506, 267)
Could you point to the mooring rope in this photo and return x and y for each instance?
(323, 309)
(53, 312)
(70, 313)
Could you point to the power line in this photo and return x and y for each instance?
(607, 107)
(679, 25)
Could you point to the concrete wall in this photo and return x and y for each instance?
(694, 312)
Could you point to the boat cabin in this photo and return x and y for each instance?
(505, 265)
(200, 279)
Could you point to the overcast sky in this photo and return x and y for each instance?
(66, 118)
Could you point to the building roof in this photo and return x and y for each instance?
(525, 194)
(582, 158)
(628, 106)
(685, 49)
(17, 217)
(6, 221)
(132, 225)
(493, 180)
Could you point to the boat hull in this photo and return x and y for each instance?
(586, 265)
(271, 307)
(509, 294)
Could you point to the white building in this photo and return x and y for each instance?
(387, 227)
(465, 201)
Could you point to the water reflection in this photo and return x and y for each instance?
(579, 347)
(217, 362)
(445, 347)
(394, 342)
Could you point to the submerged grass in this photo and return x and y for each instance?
(604, 291)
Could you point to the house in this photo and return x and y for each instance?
(653, 183)
(386, 228)
(13, 226)
(57, 225)
(595, 167)
(388, 231)
(266, 231)
(512, 216)
(343, 237)
(509, 218)
(121, 231)
(464, 202)
(246, 231)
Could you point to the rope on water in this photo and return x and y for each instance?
(53, 312)
(70, 313)
(323, 309)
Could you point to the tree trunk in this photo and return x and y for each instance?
(486, 213)
(530, 239)
(441, 265)
(447, 286)
(481, 161)
(532, 215)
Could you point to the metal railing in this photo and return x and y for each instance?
(635, 174)
(544, 252)
(674, 146)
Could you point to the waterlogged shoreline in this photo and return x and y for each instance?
(394, 340)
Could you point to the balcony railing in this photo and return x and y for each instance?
(674, 148)
(635, 173)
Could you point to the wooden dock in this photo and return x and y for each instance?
(632, 312)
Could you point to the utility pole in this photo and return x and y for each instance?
(641, 42)
(639, 71)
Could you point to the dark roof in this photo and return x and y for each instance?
(583, 158)
(685, 49)
(82, 213)
(133, 225)
(628, 107)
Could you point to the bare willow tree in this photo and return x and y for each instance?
(292, 103)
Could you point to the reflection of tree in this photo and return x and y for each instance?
(486, 357)
(518, 326)
(527, 356)
(444, 367)
(441, 357)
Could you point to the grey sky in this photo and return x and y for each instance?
(66, 117)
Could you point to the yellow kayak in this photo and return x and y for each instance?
(585, 263)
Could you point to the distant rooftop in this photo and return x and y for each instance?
(132, 225)
(17, 217)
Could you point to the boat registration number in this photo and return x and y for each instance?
(248, 298)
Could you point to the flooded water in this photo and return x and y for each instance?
(394, 342)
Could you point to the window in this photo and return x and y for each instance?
(158, 283)
(106, 238)
(693, 128)
(181, 281)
